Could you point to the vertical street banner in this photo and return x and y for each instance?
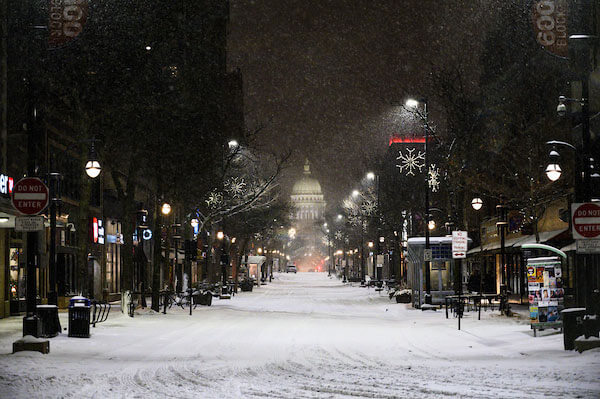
(66, 21)
(549, 19)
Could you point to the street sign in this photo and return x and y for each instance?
(428, 255)
(585, 220)
(30, 196)
(460, 242)
(588, 246)
(29, 223)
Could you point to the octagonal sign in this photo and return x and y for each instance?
(30, 196)
(585, 220)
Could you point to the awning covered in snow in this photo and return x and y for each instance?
(517, 242)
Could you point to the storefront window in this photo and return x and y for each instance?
(17, 283)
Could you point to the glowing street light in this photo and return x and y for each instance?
(411, 103)
(431, 225)
(477, 203)
(165, 209)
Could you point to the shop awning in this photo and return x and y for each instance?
(571, 247)
(519, 241)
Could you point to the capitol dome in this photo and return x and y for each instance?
(307, 197)
(306, 186)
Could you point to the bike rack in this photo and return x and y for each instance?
(100, 313)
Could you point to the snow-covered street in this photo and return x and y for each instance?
(303, 335)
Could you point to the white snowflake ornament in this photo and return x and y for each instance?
(410, 161)
(433, 178)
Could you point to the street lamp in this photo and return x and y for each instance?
(413, 104)
(92, 166)
(477, 203)
(502, 227)
(165, 209)
(431, 225)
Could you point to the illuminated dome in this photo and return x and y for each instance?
(307, 185)
(307, 197)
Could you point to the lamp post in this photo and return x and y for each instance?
(178, 270)
(413, 104)
(54, 179)
(477, 204)
(502, 226)
(375, 178)
(165, 210)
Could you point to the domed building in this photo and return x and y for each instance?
(307, 198)
(308, 218)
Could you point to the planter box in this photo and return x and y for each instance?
(403, 298)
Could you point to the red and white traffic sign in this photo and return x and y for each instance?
(586, 220)
(30, 196)
(460, 244)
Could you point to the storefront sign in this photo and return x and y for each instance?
(147, 234)
(97, 233)
(6, 185)
(550, 26)
(29, 223)
(114, 238)
(460, 242)
(66, 20)
(588, 246)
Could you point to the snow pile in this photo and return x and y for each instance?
(30, 339)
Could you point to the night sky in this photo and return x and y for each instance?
(323, 74)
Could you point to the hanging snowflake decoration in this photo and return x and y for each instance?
(368, 207)
(338, 235)
(354, 220)
(349, 205)
(410, 161)
(235, 186)
(433, 178)
(215, 198)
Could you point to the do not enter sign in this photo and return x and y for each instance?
(586, 220)
(30, 196)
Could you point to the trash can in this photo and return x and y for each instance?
(48, 315)
(572, 326)
(79, 317)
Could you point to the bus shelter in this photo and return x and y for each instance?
(443, 269)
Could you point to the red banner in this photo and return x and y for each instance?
(550, 26)
(66, 21)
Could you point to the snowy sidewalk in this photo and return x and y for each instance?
(303, 335)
